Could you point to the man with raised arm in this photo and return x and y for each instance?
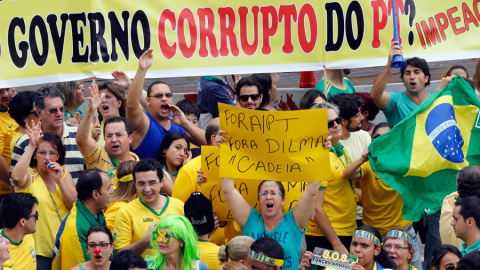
(150, 128)
(118, 137)
(415, 76)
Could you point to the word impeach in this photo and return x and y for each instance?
(274, 145)
(212, 189)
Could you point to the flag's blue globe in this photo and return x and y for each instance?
(443, 132)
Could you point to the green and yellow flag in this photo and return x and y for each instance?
(422, 155)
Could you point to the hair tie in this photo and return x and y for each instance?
(399, 234)
(368, 236)
(125, 178)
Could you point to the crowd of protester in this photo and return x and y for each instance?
(117, 186)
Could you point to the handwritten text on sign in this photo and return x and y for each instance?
(212, 189)
(281, 146)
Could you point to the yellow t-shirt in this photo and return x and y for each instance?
(7, 128)
(382, 205)
(48, 221)
(111, 213)
(100, 159)
(340, 200)
(15, 137)
(133, 219)
(22, 254)
(446, 230)
(209, 254)
(186, 184)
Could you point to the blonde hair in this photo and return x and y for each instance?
(234, 266)
(124, 189)
(236, 250)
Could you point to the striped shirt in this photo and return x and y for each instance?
(74, 161)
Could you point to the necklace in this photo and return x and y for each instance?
(174, 174)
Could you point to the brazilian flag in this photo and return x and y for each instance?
(421, 156)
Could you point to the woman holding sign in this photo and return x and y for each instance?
(366, 246)
(287, 228)
(335, 206)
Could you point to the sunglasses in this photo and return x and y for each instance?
(54, 110)
(337, 120)
(244, 98)
(161, 95)
(34, 215)
(165, 236)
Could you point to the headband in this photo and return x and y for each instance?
(399, 234)
(265, 259)
(367, 235)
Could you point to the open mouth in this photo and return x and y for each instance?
(115, 147)
(98, 257)
(105, 107)
(269, 206)
(413, 84)
(164, 108)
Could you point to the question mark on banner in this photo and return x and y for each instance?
(411, 11)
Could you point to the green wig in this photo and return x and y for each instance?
(181, 229)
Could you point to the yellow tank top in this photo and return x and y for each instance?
(48, 220)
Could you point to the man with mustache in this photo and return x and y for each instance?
(49, 104)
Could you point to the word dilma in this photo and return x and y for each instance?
(244, 164)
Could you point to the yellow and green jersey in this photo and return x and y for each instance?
(22, 254)
(134, 218)
(111, 213)
(340, 200)
(71, 241)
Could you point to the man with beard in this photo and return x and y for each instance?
(49, 104)
(150, 128)
(249, 95)
(335, 82)
(353, 138)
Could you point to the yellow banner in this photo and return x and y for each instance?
(63, 40)
(280, 146)
(212, 189)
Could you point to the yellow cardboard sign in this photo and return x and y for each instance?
(212, 189)
(60, 40)
(280, 146)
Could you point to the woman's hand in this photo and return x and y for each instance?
(200, 177)
(55, 170)
(34, 133)
(219, 138)
(327, 143)
(188, 158)
(305, 263)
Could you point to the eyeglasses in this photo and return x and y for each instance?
(161, 95)
(34, 215)
(55, 109)
(273, 193)
(244, 98)
(165, 236)
(397, 247)
(101, 245)
(337, 120)
(119, 135)
(150, 184)
(44, 153)
(34, 113)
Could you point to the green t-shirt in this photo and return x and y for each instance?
(333, 90)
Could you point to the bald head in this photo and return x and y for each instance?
(212, 130)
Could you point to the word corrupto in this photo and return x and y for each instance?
(201, 29)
